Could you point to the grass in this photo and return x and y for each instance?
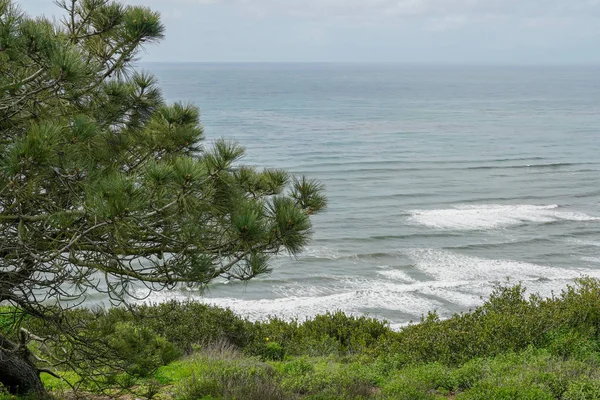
(530, 374)
(512, 347)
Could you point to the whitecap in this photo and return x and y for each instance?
(320, 252)
(447, 266)
(493, 216)
(395, 274)
(591, 259)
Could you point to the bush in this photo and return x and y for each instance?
(327, 379)
(229, 381)
(352, 334)
(577, 343)
(544, 345)
(424, 379)
(272, 351)
(470, 373)
(506, 322)
(192, 323)
(583, 389)
(297, 367)
(141, 349)
(488, 390)
(331, 333)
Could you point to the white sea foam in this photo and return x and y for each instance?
(492, 216)
(460, 297)
(374, 296)
(321, 252)
(395, 274)
(297, 289)
(348, 284)
(595, 260)
(446, 266)
(399, 326)
(475, 293)
(452, 282)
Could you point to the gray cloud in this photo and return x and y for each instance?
(428, 31)
(467, 10)
(406, 8)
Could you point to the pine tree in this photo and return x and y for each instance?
(103, 186)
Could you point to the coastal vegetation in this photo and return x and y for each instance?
(513, 346)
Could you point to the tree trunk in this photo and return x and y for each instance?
(17, 374)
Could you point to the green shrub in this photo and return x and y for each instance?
(533, 372)
(470, 373)
(493, 390)
(502, 324)
(331, 333)
(583, 389)
(326, 378)
(297, 367)
(229, 381)
(425, 379)
(506, 322)
(272, 351)
(199, 388)
(191, 323)
(352, 334)
(510, 346)
(412, 393)
(141, 349)
(577, 343)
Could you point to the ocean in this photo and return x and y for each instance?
(442, 181)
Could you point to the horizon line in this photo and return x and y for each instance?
(416, 63)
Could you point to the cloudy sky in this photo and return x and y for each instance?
(408, 31)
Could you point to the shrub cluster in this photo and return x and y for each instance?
(553, 345)
(568, 324)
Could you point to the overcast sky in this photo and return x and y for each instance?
(410, 31)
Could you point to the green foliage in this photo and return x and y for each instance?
(272, 351)
(578, 343)
(188, 324)
(425, 378)
(141, 349)
(531, 374)
(352, 334)
(300, 366)
(192, 323)
(335, 356)
(331, 333)
(470, 373)
(308, 195)
(103, 186)
(324, 378)
(10, 318)
(506, 322)
(583, 389)
(225, 379)
(489, 390)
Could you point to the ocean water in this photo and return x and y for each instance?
(442, 181)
